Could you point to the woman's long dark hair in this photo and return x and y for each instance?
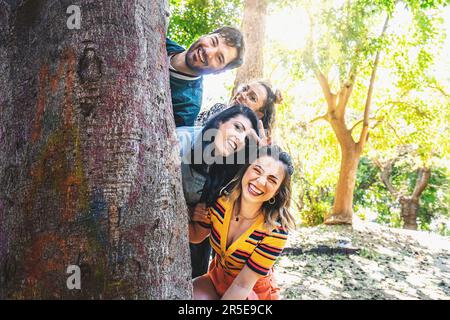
(219, 174)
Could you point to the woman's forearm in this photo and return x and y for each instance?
(237, 292)
(242, 285)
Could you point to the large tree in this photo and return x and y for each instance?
(86, 175)
(348, 58)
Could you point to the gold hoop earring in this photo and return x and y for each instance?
(270, 201)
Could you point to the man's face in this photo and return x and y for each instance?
(209, 54)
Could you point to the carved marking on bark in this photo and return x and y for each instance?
(44, 79)
(89, 72)
(90, 66)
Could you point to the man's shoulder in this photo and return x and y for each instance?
(173, 47)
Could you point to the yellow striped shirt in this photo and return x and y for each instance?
(257, 247)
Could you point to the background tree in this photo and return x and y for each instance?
(86, 178)
(409, 202)
(253, 29)
(345, 63)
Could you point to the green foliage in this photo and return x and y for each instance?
(190, 19)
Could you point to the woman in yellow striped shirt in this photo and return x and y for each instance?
(248, 229)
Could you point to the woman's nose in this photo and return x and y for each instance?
(262, 180)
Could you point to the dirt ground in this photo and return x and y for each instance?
(364, 261)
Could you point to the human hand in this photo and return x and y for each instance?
(201, 214)
(262, 140)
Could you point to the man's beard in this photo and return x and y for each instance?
(188, 57)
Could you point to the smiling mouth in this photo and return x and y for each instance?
(232, 145)
(202, 56)
(253, 190)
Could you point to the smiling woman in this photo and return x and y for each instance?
(208, 164)
(248, 229)
(258, 96)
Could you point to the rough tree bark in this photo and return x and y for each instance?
(86, 175)
(409, 203)
(253, 29)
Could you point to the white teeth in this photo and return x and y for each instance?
(255, 190)
(201, 56)
(232, 144)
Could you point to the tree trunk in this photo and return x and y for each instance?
(253, 28)
(351, 150)
(86, 175)
(409, 204)
(342, 212)
(409, 208)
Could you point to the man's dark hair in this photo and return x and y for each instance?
(233, 38)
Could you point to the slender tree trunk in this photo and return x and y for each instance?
(342, 211)
(253, 28)
(86, 178)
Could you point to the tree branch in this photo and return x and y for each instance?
(385, 175)
(346, 92)
(329, 97)
(365, 129)
(423, 177)
(360, 121)
(322, 117)
(440, 89)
